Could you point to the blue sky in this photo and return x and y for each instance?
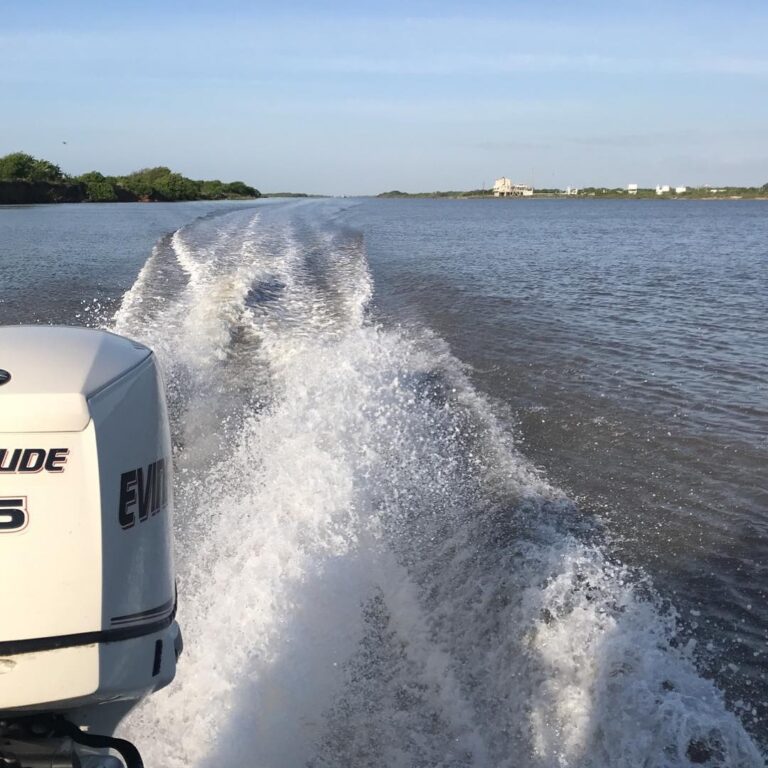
(350, 98)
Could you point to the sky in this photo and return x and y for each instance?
(360, 98)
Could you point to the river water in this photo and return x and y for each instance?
(458, 482)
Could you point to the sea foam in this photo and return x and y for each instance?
(370, 572)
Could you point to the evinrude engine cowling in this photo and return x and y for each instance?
(87, 594)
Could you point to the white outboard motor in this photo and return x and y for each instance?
(87, 594)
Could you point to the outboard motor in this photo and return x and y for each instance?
(87, 593)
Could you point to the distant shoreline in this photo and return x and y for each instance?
(27, 180)
(46, 193)
(563, 196)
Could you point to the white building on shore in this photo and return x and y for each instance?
(632, 189)
(503, 187)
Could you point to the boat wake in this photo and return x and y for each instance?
(370, 573)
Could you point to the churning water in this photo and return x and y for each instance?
(371, 571)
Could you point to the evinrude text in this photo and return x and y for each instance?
(143, 492)
(31, 460)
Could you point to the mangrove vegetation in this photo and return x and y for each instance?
(27, 179)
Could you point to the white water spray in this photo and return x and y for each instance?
(370, 574)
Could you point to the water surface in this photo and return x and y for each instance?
(458, 482)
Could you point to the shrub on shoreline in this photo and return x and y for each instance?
(147, 184)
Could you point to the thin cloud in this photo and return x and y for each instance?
(406, 47)
(507, 64)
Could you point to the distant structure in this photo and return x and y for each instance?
(503, 187)
(632, 189)
(571, 191)
(665, 189)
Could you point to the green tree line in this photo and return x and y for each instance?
(159, 183)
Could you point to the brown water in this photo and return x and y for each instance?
(371, 573)
(628, 342)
